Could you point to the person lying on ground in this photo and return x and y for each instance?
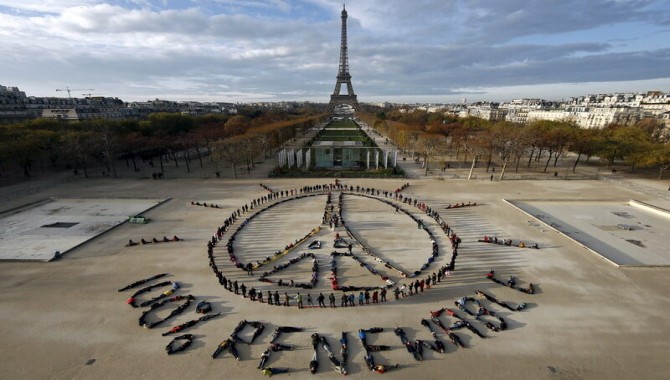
(529, 290)
(344, 342)
(316, 339)
(259, 327)
(150, 287)
(481, 294)
(426, 324)
(190, 323)
(177, 311)
(489, 325)
(143, 281)
(376, 348)
(456, 340)
(285, 329)
(418, 346)
(203, 307)
(374, 330)
(472, 328)
(222, 346)
(269, 371)
(439, 346)
(458, 325)
(264, 358)
(426, 344)
(233, 350)
(187, 340)
(436, 313)
(178, 328)
(314, 363)
(369, 361)
(280, 347)
(383, 368)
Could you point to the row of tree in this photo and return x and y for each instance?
(433, 135)
(80, 145)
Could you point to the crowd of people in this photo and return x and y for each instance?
(507, 242)
(204, 204)
(511, 282)
(462, 204)
(333, 216)
(142, 241)
(414, 347)
(291, 283)
(146, 285)
(349, 298)
(370, 361)
(335, 282)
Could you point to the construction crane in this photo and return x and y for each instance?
(68, 89)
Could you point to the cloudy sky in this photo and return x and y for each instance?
(273, 50)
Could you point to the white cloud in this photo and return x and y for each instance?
(44, 6)
(269, 49)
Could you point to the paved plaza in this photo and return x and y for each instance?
(621, 232)
(37, 231)
(588, 319)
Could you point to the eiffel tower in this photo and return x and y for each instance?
(343, 76)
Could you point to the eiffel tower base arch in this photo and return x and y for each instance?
(337, 100)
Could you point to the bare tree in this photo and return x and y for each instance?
(428, 144)
(506, 139)
(230, 150)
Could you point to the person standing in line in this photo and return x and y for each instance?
(331, 298)
(321, 299)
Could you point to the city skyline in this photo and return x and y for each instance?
(276, 50)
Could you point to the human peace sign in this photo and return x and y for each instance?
(369, 239)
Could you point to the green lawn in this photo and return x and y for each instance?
(342, 124)
(336, 132)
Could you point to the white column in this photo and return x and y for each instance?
(284, 157)
(395, 159)
(368, 159)
(377, 159)
(291, 157)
